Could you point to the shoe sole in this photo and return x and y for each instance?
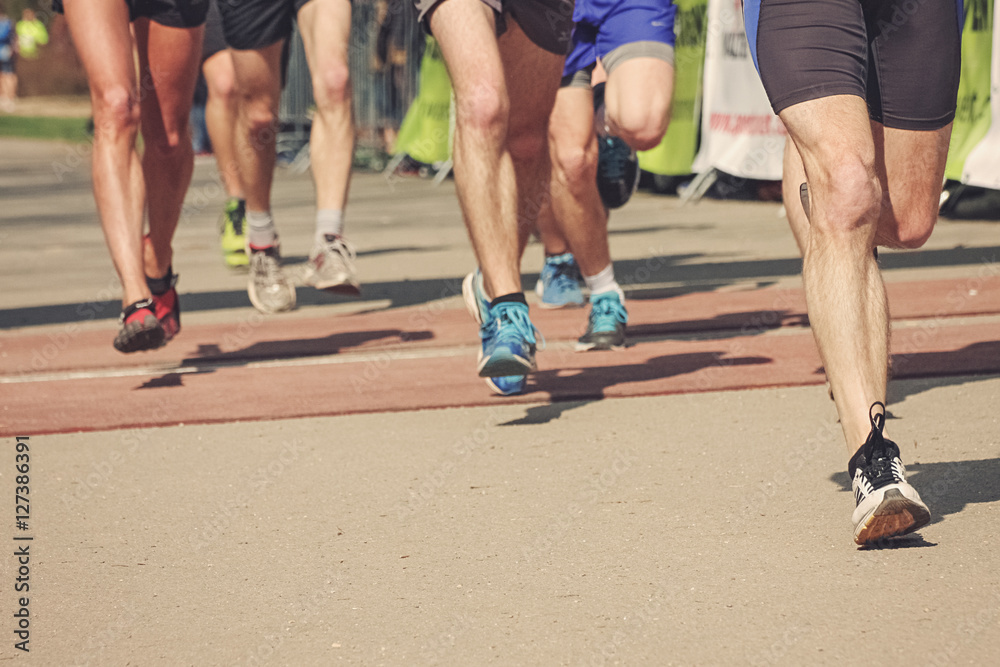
(896, 515)
(259, 305)
(347, 289)
(497, 390)
(513, 365)
(542, 303)
(471, 300)
(238, 258)
(600, 347)
(141, 340)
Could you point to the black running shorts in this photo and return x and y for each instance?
(171, 13)
(254, 24)
(547, 23)
(901, 56)
(215, 41)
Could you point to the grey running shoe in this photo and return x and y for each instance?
(269, 289)
(331, 267)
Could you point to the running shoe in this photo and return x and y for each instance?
(476, 301)
(167, 306)
(617, 171)
(233, 233)
(270, 291)
(140, 330)
(508, 341)
(559, 284)
(507, 385)
(606, 325)
(331, 267)
(478, 305)
(887, 506)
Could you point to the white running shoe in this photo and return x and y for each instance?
(270, 291)
(887, 506)
(331, 267)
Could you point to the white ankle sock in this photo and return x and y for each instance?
(604, 282)
(261, 232)
(329, 222)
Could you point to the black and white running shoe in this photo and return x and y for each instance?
(887, 505)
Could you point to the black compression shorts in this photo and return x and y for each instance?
(902, 56)
(254, 24)
(215, 41)
(171, 13)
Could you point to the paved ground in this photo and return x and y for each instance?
(334, 484)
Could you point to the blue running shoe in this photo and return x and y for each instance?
(559, 284)
(606, 326)
(508, 342)
(478, 305)
(476, 301)
(507, 385)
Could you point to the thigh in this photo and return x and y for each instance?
(466, 32)
(915, 62)
(258, 74)
(640, 82)
(910, 166)
(547, 23)
(533, 76)
(168, 67)
(807, 49)
(325, 26)
(103, 40)
(571, 125)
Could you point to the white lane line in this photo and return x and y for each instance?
(209, 366)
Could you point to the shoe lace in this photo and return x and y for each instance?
(339, 250)
(614, 157)
(267, 268)
(511, 323)
(878, 451)
(564, 276)
(606, 312)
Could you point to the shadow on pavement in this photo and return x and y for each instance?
(575, 387)
(632, 274)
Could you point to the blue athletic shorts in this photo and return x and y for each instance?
(903, 57)
(605, 25)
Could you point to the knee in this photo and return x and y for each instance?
(642, 126)
(116, 112)
(222, 88)
(482, 110)
(332, 85)
(260, 118)
(574, 166)
(850, 192)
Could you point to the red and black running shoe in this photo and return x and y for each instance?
(167, 304)
(140, 330)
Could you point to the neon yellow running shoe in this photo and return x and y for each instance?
(233, 236)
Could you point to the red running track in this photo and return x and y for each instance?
(423, 357)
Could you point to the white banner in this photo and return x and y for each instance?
(740, 135)
(982, 167)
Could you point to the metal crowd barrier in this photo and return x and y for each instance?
(381, 95)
